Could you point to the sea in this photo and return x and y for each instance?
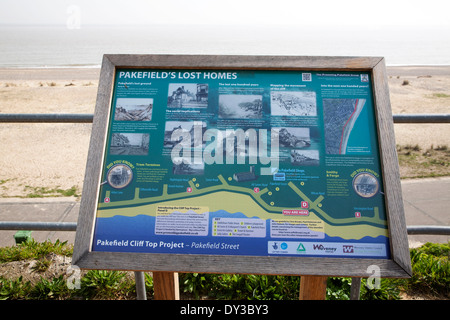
(60, 46)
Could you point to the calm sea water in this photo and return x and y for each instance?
(58, 46)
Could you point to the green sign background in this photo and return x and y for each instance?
(323, 196)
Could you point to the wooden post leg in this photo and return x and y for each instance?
(166, 286)
(313, 288)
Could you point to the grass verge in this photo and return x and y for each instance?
(415, 162)
(430, 263)
(43, 192)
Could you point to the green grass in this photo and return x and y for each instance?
(415, 162)
(431, 269)
(430, 264)
(42, 192)
(34, 250)
(440, 95)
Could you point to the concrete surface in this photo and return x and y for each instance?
(426, 202)
(39, 209)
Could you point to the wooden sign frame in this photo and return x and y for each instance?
(399, 265)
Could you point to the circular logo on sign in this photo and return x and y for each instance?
(119, 176)
(366, 184)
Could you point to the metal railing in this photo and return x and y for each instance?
(88, 118)
(139, 276)
(429, 230)
(38, 226)
(72, 226)
(49, 118)
(421, 118)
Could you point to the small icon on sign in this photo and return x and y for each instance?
(305, 204)
(347, 249)
(256, 190)
(107, 200)
(189, 189)
(357, 214)
(306, 77)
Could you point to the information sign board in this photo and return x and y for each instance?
(279, 165)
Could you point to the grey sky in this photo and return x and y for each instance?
(233, 12)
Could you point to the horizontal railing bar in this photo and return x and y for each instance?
(88, 118)
(72, 226)
(38, 226)
(50, 117)
(431, 230)
(421, 118)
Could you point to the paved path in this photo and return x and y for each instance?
(39, 209)
(426, 202)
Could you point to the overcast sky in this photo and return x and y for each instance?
(232, 12)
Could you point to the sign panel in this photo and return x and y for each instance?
(241, 162)
(236, 162)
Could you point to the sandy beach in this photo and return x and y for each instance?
(47, 157)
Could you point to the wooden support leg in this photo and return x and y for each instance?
(166, 286)
(313, 288)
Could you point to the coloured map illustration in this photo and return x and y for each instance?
(339, 117)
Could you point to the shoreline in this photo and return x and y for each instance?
(418, 70)
(93, 72)
(49, 74)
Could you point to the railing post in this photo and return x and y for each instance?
(355, 289)
(141, 293)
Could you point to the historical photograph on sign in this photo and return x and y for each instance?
(293, 103)
(187, 95)
(133, 109)
(119, 176)
(182, 166)
(176, 131)
(305, 157)
(365, 184)
(291, 137)
(240, 106)
(129, 144)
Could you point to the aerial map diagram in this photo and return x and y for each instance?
(249, 164)
(340, 116)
